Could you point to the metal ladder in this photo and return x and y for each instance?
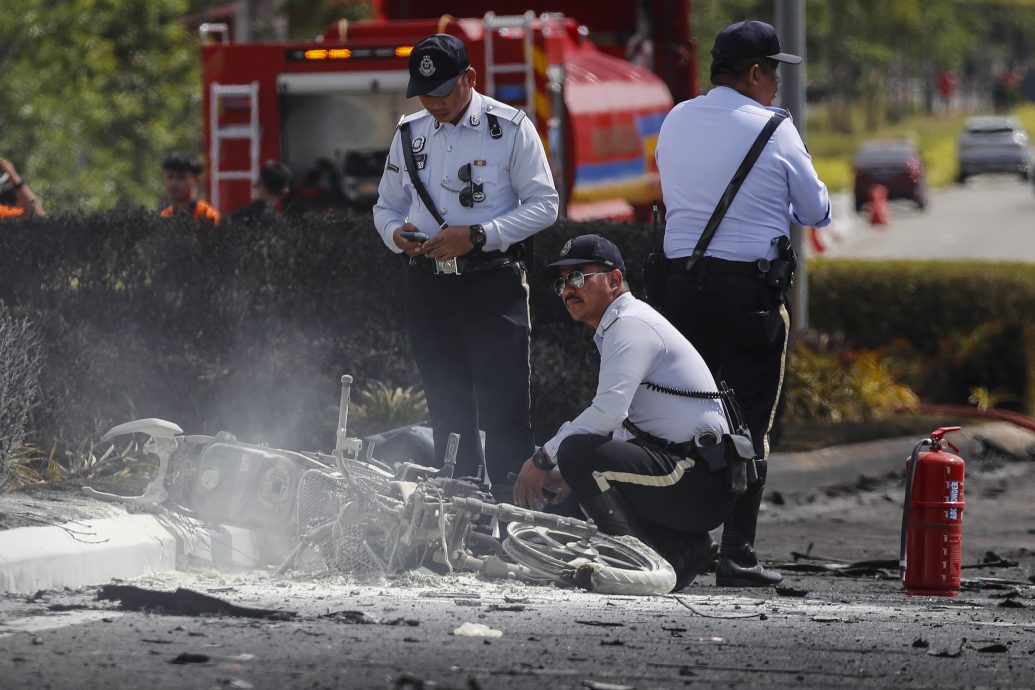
(495, 25)
(249, 132)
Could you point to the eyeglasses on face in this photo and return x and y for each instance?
(576, 279)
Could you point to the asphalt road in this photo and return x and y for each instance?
(827, 631)
(989, 218)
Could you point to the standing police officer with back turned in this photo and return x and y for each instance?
(465, 182)
(732, 302)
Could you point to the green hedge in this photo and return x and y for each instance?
(952, 324)
(248, 328)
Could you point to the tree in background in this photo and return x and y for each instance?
(95, 93)
(309, 18)
(883, 58)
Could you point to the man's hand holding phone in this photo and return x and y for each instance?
(410, 239)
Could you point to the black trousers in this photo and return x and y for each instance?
(739, 325)
(663, 489)
(470, 336)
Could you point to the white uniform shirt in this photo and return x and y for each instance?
(701, 144)
(637, 344)
(520, 197)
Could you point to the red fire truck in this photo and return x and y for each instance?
(328, 107)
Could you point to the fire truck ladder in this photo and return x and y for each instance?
(249, 132)
(498, 26)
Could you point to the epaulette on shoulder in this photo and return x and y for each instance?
(506, 112)
(412, 117)
(609, 320)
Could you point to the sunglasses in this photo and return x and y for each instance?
(472, 192)
(576, 279)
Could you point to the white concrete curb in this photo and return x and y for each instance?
(93, 552)
(85, 552)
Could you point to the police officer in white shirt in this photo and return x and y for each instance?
(647, 480)
(732, 304)
(483, 185)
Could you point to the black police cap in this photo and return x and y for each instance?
(750, 39)
(588, 249)
(436, 62)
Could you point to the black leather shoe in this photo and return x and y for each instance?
(689, 554)
(742, 569)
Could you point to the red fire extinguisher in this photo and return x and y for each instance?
(930, 553)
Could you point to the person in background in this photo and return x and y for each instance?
(17, 200)
(270, 191)
(182, 175)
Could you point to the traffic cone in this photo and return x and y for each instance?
(816, 241)
(878, 204)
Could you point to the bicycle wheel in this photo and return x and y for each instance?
(605, 564)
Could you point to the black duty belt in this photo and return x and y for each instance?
(685, 449)
(711, 264)
(471, 263)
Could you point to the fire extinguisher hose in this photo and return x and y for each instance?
(905, 503)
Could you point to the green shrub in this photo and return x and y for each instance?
(827, 385)
(20, 366)
(950, 326)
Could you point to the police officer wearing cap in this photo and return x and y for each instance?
(466, 181)
(730, 304)
(648, 479)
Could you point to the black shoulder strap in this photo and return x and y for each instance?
(734, 186)
(411, 168)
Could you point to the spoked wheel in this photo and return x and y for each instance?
(610, 565)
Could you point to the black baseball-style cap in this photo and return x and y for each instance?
(588, 249)
(436, 62)
(750, 39)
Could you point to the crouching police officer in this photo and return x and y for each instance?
(465, 182)
(662, 477)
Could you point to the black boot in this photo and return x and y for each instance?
(688, 553)
(738, 566)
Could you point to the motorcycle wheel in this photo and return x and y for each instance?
(605, 564)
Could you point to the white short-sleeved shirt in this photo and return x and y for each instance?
(512, 169)
(638, 345)
(701, 144)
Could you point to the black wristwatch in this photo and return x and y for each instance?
(477, 236)
(541, 460)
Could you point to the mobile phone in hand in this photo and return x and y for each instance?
(414, 236)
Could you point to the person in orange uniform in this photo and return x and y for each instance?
(16, 199)
(182, 174)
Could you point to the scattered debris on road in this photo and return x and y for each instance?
(477, 630)
(183, 602)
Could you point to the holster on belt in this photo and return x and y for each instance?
(734, 453)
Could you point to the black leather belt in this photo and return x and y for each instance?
(711, 264)
(483, 261)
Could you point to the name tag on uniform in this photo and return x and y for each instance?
(420, 160)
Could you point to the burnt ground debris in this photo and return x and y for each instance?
(857, 630)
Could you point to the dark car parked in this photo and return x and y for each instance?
(893, 163)
(993, 145)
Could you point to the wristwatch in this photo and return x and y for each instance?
(541, 460)
(477, 236)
